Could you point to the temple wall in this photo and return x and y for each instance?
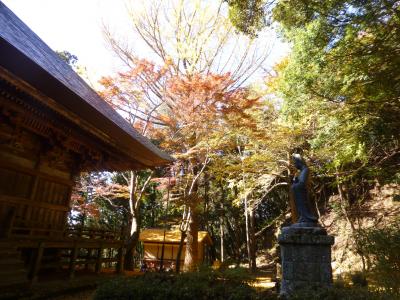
(153, 251)
(35, 180)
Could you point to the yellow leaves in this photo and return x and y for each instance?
(189, 154)
(272, 80)
(106, 81)
(114, 190)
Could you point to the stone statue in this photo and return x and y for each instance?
(305, 245)
(299, 188)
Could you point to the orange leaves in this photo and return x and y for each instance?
(164, 183)
(137, 93)
(204, 108)
(197, 99)
(80, 205)
(146, 71)
(183, 112)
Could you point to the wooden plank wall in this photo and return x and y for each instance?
(36, 191)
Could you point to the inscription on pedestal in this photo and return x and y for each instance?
(306, 258)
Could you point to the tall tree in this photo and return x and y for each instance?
(341, 83)
(349, 95)
(181, 101)
(126, 97)
(193, 110)
(199, 106)
(255, 160)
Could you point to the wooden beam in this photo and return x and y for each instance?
(121, 260)
(7, 216)
(88, 257)
(36, 262)
(115, 139)
(72, 261)
(24, 201)
(99, 260)
(20, 168)
(36, 177)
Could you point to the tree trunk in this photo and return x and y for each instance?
(234, 237)
(179, 254)
(132, 241)
(213, 251)
(221, 223)
(246, 219)
(252, 241)
(191, 254)
(221, 229)
(134, 223)
(162, 253)
(344, 202)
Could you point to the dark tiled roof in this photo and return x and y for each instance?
(25, 55)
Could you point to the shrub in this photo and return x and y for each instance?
(351, 293)
(359, 279)
(382, 247)
(206, 284)
(339, 283)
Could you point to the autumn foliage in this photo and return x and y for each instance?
(183, 112)
(187, 114)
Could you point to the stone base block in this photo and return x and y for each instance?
(306, 258)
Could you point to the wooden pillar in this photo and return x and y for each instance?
(110, 255)
(35, 266)
(65, 216)
(7, 216)
(99, 260)
(34, 187)
(121, 260)
(72, 261)
(88, 257)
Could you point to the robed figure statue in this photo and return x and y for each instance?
(299, 189)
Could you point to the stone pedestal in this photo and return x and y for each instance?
(305, 256)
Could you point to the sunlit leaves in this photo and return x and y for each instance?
(342, 82)
(248, 16)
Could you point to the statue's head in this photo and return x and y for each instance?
(298, 161)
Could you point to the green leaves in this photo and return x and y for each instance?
(247, 16)
(341, 82)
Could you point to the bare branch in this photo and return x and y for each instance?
(144, 186)
(112, 204)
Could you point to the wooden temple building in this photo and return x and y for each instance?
(52, 127)
(154, 240)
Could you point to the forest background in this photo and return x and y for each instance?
(232, 125)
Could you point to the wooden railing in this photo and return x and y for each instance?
(78, 246)
(37, 230)
(93, 233)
